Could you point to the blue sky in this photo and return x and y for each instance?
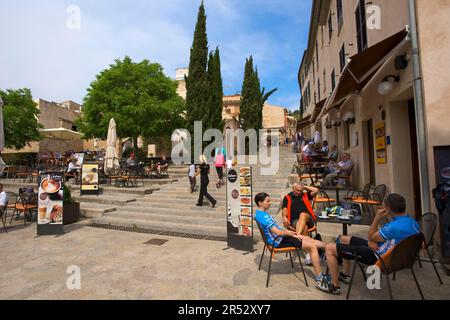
(38, 51)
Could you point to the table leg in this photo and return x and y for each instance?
(338, 201)
(344, 229)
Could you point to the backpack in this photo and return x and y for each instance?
(441, 197)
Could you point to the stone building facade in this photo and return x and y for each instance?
(359, 88)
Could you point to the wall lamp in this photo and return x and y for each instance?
(336, 123)
(328, 124)
(349, 118)
(386, 87)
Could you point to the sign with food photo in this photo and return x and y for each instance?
(239, 208)
(50, 201)
(89, 178)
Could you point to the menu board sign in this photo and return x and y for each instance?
(50, 203)
(89, 178)
(240, 208)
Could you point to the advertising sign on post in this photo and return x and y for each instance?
(380, 140)
(89, 178)
(50, 203)
(240, 208)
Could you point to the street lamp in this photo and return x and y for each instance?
(386, 87)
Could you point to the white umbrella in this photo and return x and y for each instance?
(2, 134)
(111, 157)
(60, 133)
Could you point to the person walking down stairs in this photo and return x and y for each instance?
(220, 165)
(203, 171)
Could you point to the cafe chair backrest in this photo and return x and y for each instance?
(380, 191)
(366, 190)
(403, 255)
(262, 233)
(428, 224)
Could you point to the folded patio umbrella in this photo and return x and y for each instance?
(2, 134)
(111, 157)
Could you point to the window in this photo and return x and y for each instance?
(324, 81)
(318, 88)
(314, 71)
(342, 57)
(361, 27)
(340, 14)
(321, 32)
(317, 55)
(346, 135)
(333, 80)
(330, 26)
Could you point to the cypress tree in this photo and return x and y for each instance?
(215, 104)
(246, 117)
(197, 82)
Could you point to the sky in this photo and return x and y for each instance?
(39, 51)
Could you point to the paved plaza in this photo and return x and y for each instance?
(120, 265)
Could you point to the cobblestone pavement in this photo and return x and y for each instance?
(119, 265)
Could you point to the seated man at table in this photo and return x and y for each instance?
(73, 168)
(298, 214)
(278, 237)
(162, 165)
(381, 241)
(343, 167)
(307, 152)
(3, 200)
(131, 161)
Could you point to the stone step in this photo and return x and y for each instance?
(131, 191)
(152, 217)
(204, 211)
(105, 199)
(95, 210)
(160, 226)
(188, 205)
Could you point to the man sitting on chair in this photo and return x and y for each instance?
(298, 214)
(3, 200)
(381, 241)
(343, 167)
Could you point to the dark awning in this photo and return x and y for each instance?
(317, 110)
(303, 123)
(362, 67)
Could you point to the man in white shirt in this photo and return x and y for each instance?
(3, 200)
(343, 167)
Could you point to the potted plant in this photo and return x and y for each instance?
(71, 211)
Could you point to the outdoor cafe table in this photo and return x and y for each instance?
(337, 188)
(364, 220)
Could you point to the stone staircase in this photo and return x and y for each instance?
(171, 208)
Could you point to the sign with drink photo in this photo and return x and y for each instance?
(89, 178)
(50, 203)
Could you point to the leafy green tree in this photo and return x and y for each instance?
(20, 118)
(215, 98)
(252, 98)
(139, 96)
(197, 85)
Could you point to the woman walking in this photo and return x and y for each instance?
(220, 165)
(203, 171)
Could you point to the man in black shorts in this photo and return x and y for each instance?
(298, 214)
(367, 252)
(278, 237)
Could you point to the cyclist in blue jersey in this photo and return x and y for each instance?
(381, 241)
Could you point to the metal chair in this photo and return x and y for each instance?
(402, 256)
(274, 251)
(323, 198)
(374, 199)
(25, 204)
(428, 224)
(3, 213)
